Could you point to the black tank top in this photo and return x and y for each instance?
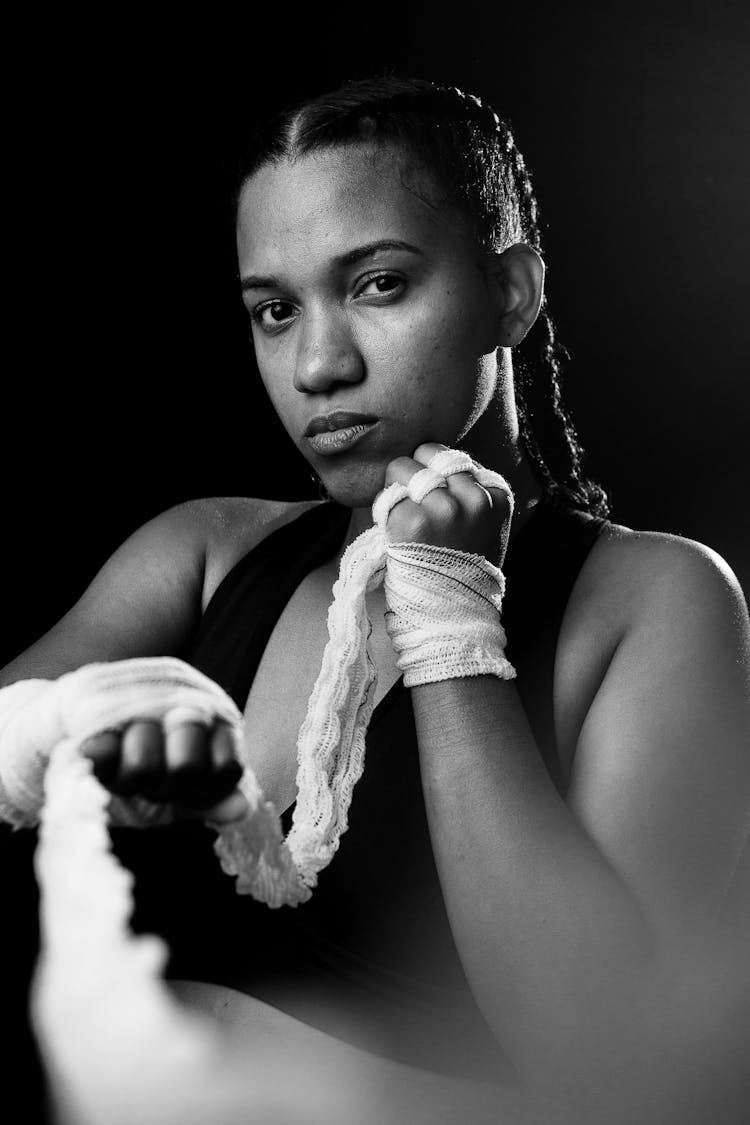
(370, 957)
(541, 568)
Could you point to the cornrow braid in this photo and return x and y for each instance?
(547, 429)
(472, 154)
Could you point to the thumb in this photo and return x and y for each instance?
(229, 809)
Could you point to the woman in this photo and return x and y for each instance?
(520, 914)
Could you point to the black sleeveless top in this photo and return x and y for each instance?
(370, 957)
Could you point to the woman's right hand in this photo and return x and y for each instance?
(191, 766)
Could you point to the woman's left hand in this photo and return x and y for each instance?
(464, 515)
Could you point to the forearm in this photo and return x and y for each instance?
(555, 947)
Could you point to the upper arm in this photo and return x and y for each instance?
(661, 774)
(149, 596)
(144, 601)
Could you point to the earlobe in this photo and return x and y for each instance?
(519, 273)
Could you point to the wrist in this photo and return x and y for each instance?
(444, 613)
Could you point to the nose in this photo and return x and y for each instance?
(328, 353)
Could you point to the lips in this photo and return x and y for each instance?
(337, 432)
(337, 420)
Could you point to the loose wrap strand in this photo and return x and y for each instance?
(444, 622)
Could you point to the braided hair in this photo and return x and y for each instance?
(471, 153)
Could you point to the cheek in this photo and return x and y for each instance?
(278, 395)
(450, 346)
(451, 323)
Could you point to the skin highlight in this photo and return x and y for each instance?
(580, 918)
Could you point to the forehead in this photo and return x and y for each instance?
(328, 201)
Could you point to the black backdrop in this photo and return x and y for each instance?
(130, 383)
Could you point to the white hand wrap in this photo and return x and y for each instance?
(23, 760)
(443, 605)
(330, 749)
(36, 715)
(443, 618)
(96, 983)
(444, 614)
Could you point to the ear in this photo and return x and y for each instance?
(517, 276)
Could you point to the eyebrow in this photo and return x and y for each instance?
(252, 281)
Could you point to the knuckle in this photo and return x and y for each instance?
(101, 745)
(481, 500)
(444, 503)
(103, 751)
(186, 748)
(427, 451)
(143, 761)
(142, 747)
(485, 496)
(502, 499)
(222, 747)
(400, 469)
(408, 522)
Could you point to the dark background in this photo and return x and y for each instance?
(128, 378)
(130, 383)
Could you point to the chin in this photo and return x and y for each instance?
(351, 497)
(355, 486)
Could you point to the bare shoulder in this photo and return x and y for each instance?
(149, 595)
(188, 548)
(636, 572)
(658, 591)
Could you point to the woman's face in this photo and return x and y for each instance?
(366, 299)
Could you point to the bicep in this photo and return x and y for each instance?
(661, 775)
(145, 601)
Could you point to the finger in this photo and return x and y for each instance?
(103, 751)
(405, 517)
(502, 500)
(401, 470)
(188, 763)
(225, 766)
(420, 481)
(464, 484)
(499, 497)
(231, 808)
(469, 491)
(476, 499)
(141, 759)
(424, 453)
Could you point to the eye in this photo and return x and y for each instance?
(381, 284)
(272, 315)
